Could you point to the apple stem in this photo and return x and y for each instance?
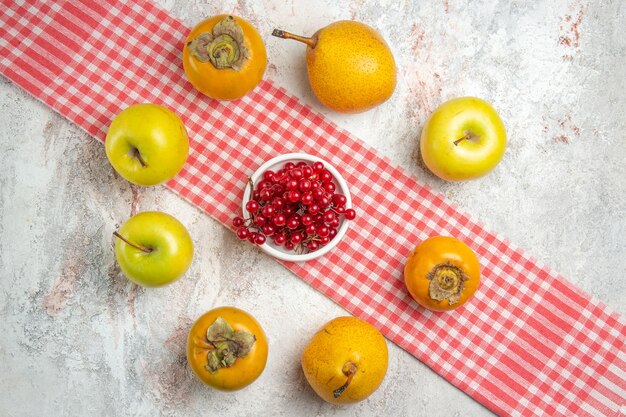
(349, 369)
(456, 142)
(138, 156)
(286, 35)
(468, 136)
(141, 248)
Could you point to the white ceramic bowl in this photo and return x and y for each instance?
(277, 163)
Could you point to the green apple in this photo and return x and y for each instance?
(147, 144)
(463, 139)
(153, 249)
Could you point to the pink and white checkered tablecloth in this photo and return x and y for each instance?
(528, 343)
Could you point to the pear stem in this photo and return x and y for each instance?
(312, 42)
(141, 248)
(349, 370)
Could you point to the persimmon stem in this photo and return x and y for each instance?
(134, 245)
(312, 42)
(349, 370)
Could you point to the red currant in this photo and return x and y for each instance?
(268, 175)
(292, 184)
(304, 185)
(267, 210)
(296, 173)
(314, 209)
(318, 193)
(306, 219)
(280, 238)
(260, 239)
(279, 220)
(326, 176)
(329, 187)
(307, 199)
(294, 196)
(296, 238)
(278, 203)
(339, 200)
(310, 230)
(252, 206)
(266, 194)
(288, 210)
(323, 231)
(329, 216)
(293, 222)
(350, 214)
(242, 233)
(278, 189)
(279, 177)
(318, 166)
(238, 221)
(312, 246)
(268, 230)
(263, 184)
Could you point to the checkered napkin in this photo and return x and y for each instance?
(528, 343)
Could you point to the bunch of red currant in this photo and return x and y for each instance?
(296, 206)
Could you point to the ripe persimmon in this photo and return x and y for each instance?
(442, 273)
(224, 57)
(227, 348)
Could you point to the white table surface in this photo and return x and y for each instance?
(79, 340)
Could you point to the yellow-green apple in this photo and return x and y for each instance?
(147, 144)
(464, 138)
(153, 249)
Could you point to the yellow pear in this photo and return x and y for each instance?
(345, 361)
(351, 69)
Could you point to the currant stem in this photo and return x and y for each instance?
(139, 247)
(312, 42)
(251, 184)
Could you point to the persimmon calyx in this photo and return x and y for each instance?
(447, 282)
(223, 46)
(228, 345)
